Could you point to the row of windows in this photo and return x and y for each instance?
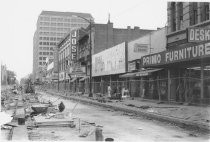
(50, 38)
(47, 43)
(54, 29)
(64, 65)
(42, 63)
(177, 14)
(45, 53)
(42, 58)
(62, 19)
(64, 53)
(52, 33)
(46, 48)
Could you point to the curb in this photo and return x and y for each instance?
(181, 123)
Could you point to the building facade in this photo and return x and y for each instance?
(185, 75)
(4, 75)
(103, 37)
(51, 29)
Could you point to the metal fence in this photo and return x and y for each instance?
(182, 89)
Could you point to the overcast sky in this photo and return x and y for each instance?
(19, 17)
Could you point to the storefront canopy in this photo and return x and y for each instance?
(82, 79)
(128, 75)
(73, 79)
(140, 73)
(146, 72)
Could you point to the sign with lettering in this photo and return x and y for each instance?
(198, 34)
(177, 55)
(77, 70)
(74, 37)
(131, 66)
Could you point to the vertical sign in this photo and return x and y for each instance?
(74, 35)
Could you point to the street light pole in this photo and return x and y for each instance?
(90, 52)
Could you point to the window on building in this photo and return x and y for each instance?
(40, 43)
(51, 53)
(53, 19)
(40, 63)
(53, 24)
(40, 53)
(173, 16)
(206, 8)
(51, 48)
(193, 13)
(40, 58)
(40, 48)
(180, 15)
(44, 58)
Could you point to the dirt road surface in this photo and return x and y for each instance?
(123, 126)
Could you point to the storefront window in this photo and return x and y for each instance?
(207, 84)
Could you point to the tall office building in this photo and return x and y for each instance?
(51, 29)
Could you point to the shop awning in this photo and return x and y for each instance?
(128, 75)
(73, 79)
(82, 79)
(146, 72)
(141, 73)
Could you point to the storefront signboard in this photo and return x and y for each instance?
(196, 51)
(61, 76)
(110, 61)
(198, 34)
(138, 48)
(74, 37)
(131, 66)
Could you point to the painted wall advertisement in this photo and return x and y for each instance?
(110, 61)
(200, 50)
(138, 48)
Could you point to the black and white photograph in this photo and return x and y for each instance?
(105, 70)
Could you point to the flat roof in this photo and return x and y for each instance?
(58, 13)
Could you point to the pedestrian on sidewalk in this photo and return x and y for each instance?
(109, 91)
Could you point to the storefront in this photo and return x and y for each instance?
(137, 77)
(188, 71)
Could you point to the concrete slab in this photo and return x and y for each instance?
(20, 133)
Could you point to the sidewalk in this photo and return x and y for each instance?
(194, 117)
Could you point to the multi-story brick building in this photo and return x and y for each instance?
(51, 28)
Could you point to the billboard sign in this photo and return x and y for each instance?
(109, 61)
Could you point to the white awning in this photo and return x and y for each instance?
(73, 79)
(140, 73)
(82, 79)
(146, 72)
(128, 75)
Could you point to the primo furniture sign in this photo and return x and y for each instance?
(201, 50)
